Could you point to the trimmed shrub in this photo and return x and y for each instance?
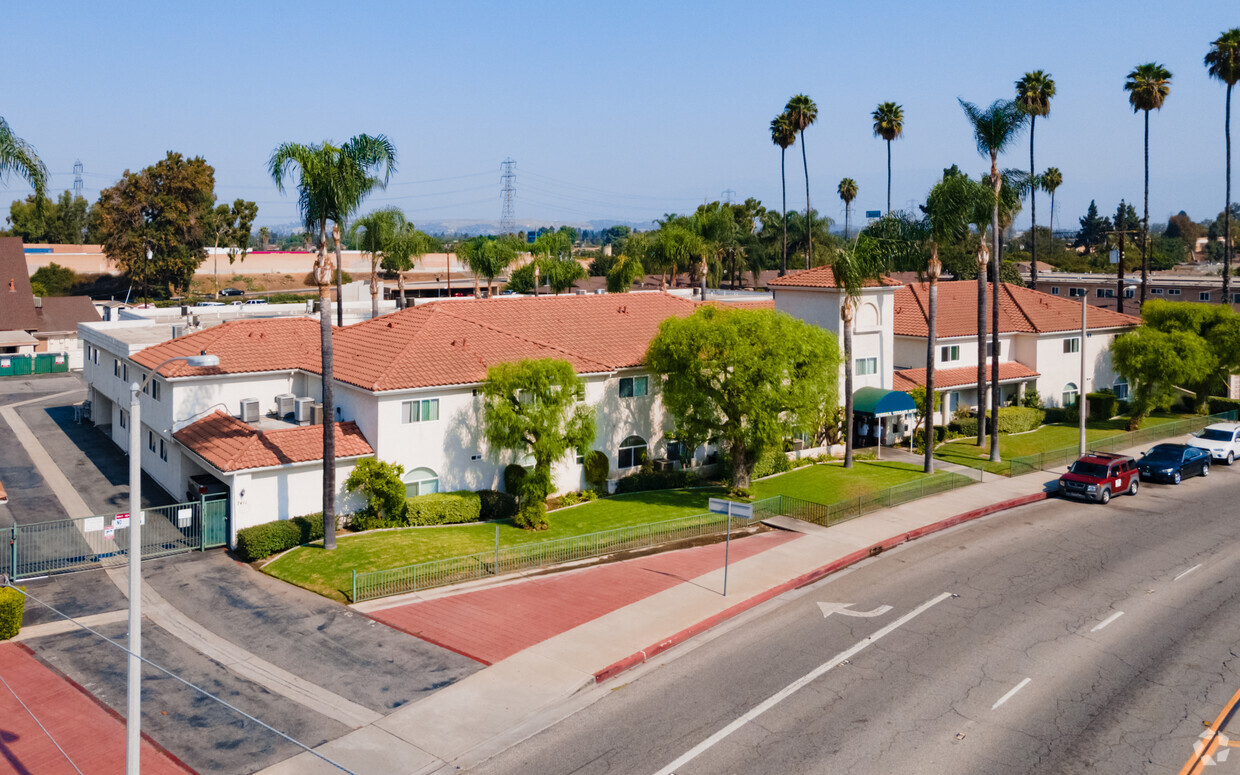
(1218, 404)
(656, 480)
(259, 541)
(496, 505)
(1060, 414)
(514, 475)
(773, 461)
(380, 483)
(1031, 399)
(964, 423)
(12, 604)
(443, 508)
(1019, 419)
(369, 519)
(598, 467)
(1102, 405)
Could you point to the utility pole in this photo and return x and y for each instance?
(508, 219)
(78, 186)
(1119, 265)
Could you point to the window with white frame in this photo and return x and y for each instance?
(866, 366)
(420, 481)
(632, 452)
(1121, 390)
(1076, 291)
(1129, 293)
(1072, 344)
(1203, 296)
(991, 352)
(1156, 291)
(633, 387)
(1070, 393)
(1106, 293)
(1173, 291)
(1054, 290)
(949, 353)
(422, 410)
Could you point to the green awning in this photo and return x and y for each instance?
(882, 403)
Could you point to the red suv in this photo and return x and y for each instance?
(1099, 475)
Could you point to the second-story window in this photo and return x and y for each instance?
(950, 353)
(424, 410)
(632, 387)
(866, 366)
(1072, 345)
(992, 352)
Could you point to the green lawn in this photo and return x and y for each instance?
(329, 574)
(1045, 439)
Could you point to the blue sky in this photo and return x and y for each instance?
(613, 110)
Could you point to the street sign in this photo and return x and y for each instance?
(873, 213)
(1114, 256)
(736, 509)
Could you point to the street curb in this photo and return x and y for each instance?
(635, 659)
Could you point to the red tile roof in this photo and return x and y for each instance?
(1020, 310)
(963, 376)
(243, 346)
(63, 313)
(16, 301)
(822, 277)
(231, 445)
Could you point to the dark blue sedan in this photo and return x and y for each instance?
(1174, 463)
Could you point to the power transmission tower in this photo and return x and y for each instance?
(78, 185)
(727, 196)
(508, 218)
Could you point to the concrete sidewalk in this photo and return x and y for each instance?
(475, 718)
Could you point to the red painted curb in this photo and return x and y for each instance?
(639, 657)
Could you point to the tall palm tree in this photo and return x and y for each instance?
(375, 234)
(1033, 95)
(331, 182)
(994, 130)
(848, 192)
(802, 112)
(855, 266)
(407, 247)
(783, 135)
(1223, 63)
(889, 125)
(1148, 86)
(19, 156)
(1049, 181)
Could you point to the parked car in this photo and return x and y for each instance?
(255, 301)
(209, 304)
(1221, 440)
(1099, 475)
(1174, 463)
(232, 292)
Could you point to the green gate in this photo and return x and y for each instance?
(214, 522)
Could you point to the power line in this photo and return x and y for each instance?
(40, 723)
(4, 582)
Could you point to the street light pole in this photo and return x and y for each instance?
(133, 699)
(1082, 406)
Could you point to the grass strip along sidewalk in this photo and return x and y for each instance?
(331, 573)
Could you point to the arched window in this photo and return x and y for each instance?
(420, 481)
(1070, 394)
(632, 452)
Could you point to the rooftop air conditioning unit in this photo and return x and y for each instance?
(249, 410)
(178, 330)
(600, 291)
(301, 410)
(285, 406)
(316, 414)
(581, 292)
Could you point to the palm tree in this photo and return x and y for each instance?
(848, 192)
(374, 234)
(802, 112)
(855, 266)
(1148, 86)
(1033, 95)
(17, 155)
(994, 129)
(331, 182)
(889, 125)
(407, 247)
(1223, 63)
(1049, 181)
(783, 135)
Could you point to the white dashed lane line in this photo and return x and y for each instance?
(1011, 693)
(1107, 621)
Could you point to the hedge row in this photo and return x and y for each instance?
(12, 603)
(773, 461)
(656, 480)
(1102, 406)
(1218, 404)
(259, 541)
(1012, 419)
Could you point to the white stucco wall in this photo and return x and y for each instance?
(1058, 368)
(872, 328)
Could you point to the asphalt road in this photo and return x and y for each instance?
(1059, 637)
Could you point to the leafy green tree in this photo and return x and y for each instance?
(1223, 64)
(19, 157)
(1155, 362)
(230, 226)
(382, 487)
(1093, 231)
(55, 279)
(994, 130)
(783, 134)
(626, 271)
(331, 183)
(532, 409)
(748, 378)
(1148, 86)
(889, 125)
(1033, 95)
(848, 192)
(164, 208)
(1218, 327)
(802, 113)
(487, 257)
(813, 235)
(1183, 227)
(63, 222)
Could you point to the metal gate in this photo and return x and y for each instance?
(86, 543)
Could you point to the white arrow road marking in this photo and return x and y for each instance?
(1107, 621)
(840, 608)
(804, 680)
(1011, 694)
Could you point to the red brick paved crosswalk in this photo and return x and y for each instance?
(491, 624)
(90, 735)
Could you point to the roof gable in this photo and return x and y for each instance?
(824, 277)
(16, 300)
(243, 346)
(232, 445)
(1021, 310)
